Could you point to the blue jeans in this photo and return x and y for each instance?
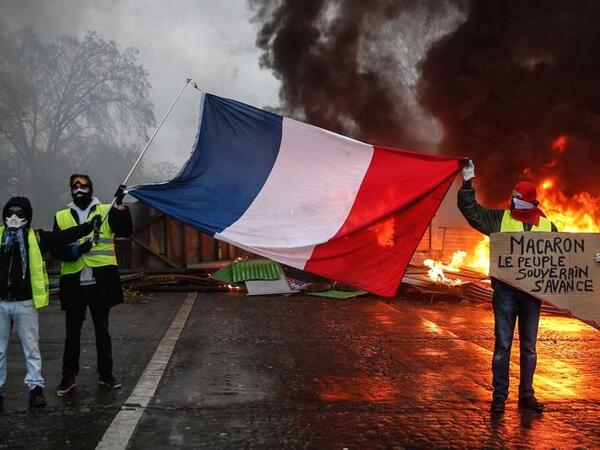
(510, 303)
(24, 316)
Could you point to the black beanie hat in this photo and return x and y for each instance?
(24, 203)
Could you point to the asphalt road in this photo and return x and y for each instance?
(307, 372)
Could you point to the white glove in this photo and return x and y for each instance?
(597, 258)
(468, 171)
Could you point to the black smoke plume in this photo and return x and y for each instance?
(510, 80)
(338, 65)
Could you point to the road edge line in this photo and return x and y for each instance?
(122, 427)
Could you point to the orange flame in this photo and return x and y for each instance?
(478, 258)
(577, 214)
(437, 269)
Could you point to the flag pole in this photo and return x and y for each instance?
(139, 158)
(187, 82)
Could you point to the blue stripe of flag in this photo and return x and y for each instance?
(235, 150)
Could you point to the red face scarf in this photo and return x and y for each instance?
(523, 207)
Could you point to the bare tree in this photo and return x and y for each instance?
(69, 105)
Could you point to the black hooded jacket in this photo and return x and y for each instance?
(13, 285)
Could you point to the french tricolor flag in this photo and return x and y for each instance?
(305, 196)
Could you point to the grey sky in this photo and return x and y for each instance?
(211, 41)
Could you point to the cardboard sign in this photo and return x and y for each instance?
(556, 267)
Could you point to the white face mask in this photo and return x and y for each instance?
(522, 204)
(15, 222)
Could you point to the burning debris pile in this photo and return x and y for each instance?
(448, 279)
(437, 270)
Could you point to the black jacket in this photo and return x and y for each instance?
(108, 284)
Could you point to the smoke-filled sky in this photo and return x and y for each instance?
(513, 78)
(503, 78)
(213, 42)
(352, 66)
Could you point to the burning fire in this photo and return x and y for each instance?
(479, 258)
(577, 214)
(437, 268)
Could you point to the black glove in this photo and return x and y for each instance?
(120, 195)
(84, 247)
(96, 222)
(87, 227)
(92, 225)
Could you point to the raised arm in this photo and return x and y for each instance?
(484, 220)
(119, 217)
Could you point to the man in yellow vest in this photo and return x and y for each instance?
(508, 302)
(24, 287)
(90, 280)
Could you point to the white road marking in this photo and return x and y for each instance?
(121, 429)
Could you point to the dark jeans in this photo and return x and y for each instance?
(75, 316)
(510, 303)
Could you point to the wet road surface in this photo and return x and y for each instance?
(304, 372)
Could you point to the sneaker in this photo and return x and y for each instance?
(36, 397)
(531, 403)
(497, 405)
(109, 382)
(67, 384)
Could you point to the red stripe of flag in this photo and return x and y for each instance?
(396, 202)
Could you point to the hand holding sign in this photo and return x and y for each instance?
(556, 267)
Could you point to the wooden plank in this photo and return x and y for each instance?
(425, 242)
(173, 240)
(155, 253)
(191, 245)
(207, 252)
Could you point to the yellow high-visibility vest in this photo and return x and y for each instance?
(38, 277)
(101, 254)
(512, 225)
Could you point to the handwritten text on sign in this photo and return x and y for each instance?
(557, 267)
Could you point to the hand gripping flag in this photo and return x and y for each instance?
(305, 196)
